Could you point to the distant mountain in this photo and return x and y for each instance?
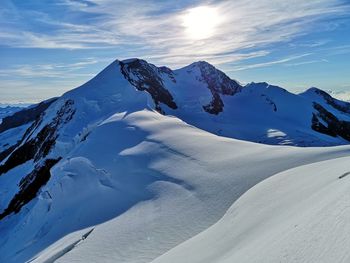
(72, 162)
(340, 95)
(8, 110)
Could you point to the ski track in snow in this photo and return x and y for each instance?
(61, 251)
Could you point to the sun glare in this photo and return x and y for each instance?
(201, 22)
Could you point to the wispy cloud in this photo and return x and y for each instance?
(154, 30)
(306, 62)
(337, 50)
(68, 70)
(269, 63)
(310, 44)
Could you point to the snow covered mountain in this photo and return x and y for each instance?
(125, 160)
(7, 110)
(205, 97)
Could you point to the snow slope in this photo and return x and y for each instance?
(266, 114)
(299, 215)
(144, 183)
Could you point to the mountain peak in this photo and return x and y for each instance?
(315, 90)
(201, 63)
(217, 79)
(129, 60)
(146, 77)
(311, 92)
(328, 99)
(134, 61)
(150, 78)
(217, 82)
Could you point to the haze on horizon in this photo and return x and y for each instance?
(48, 47)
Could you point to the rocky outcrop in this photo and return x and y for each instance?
(218, 84)
(7, 151)
(38, 147)
(29, 187)
(25, 116)
(335, 127)
(270, 102)
(336, 104)
(146, 77)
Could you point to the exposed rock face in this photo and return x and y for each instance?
(339, 105)
(7, 151)
(25, 116)
(270, 102)
(218, 83)
(335, 126)
(145, 77)
(36, 148)
(215, 106)
(29, 187)
(39, 146)
(167, 71)
(20, 118)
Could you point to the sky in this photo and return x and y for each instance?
(48, 47)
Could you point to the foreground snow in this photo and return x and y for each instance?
(143, 183)
(300, 215)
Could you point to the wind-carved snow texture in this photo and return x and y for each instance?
(102, 157)
(299, 215)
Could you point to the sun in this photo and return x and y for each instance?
(201, 22)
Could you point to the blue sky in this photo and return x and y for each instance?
(48, 47)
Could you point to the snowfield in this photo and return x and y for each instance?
(299, 215)
(144, 183)
(133, 166)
